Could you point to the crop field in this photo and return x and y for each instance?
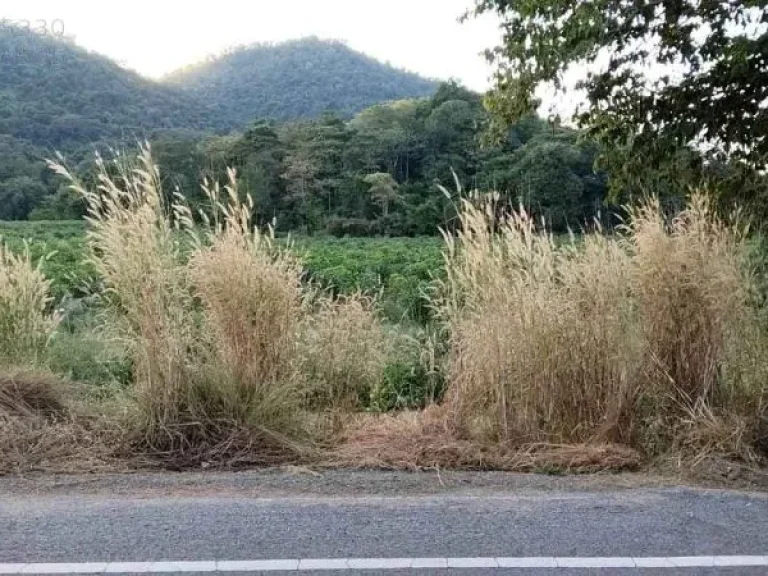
(398, 270)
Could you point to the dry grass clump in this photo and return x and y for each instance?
(645, 339)
(228, 353)
(705, 356)
(252, 307)
(691, 292)
(26, 320)
(135, 251)
(544, 345)
(210, 338)
(39, 429)
(344, 352)
(60, 445)
(31, 393)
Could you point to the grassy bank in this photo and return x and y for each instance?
(176, 344)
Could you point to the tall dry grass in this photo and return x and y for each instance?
(544, 346)
(252, 307)
(26, 319)
(199, 392)
(631, 339)
(217, 322)
(344, 352)
(135, 251)
(705, 379)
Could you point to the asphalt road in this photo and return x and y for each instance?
(374, 516)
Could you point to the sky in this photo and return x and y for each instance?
(154, 37)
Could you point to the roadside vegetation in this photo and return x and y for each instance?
(185, 340)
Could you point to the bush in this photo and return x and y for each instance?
(252, 300)
(194, 388)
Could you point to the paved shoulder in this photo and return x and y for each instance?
(470, 527)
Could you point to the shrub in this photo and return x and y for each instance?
(252, 302)
(197, 393)
(543, 343)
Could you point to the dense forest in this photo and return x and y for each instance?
(56, 96)
(323, 138)
(392, 169)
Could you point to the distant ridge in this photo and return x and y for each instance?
(56, 94)
(296, 79)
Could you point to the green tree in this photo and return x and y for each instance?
(383, 190)
(18, 196)
(258, 156)
(300, 175)
(658, 77)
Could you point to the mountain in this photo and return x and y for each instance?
(56, 94)
(296, 79)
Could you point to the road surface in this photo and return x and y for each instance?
(377, 523)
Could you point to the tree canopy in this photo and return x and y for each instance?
(378, 173)
(657, 77)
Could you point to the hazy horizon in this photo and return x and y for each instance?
(154, 38)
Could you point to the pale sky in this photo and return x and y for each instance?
(154, 37)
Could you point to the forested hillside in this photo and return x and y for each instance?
(297, 79)
(57, 95)
(379, 172)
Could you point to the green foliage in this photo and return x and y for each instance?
(61, 246)
(412, 379)
(671, 86)
(55, 95)
(296, 79)
(400, 269)
(81, 351)
(373, 174)
(378, 174)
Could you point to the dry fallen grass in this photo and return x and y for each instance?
(41, 429)
(425, 440)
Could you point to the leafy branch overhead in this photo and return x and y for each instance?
(657, 75)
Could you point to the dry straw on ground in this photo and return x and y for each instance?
(40, 429)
